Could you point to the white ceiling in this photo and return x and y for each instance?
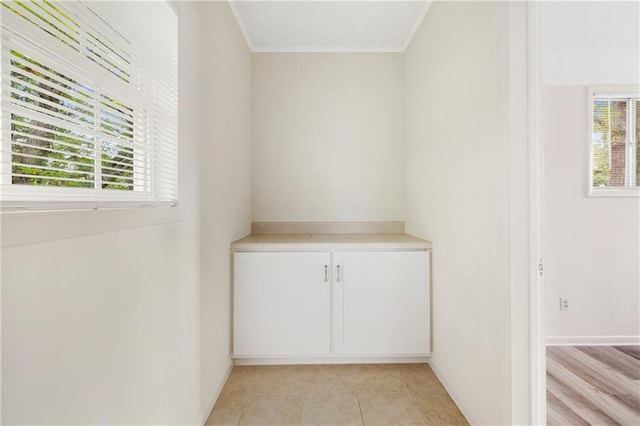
(329, 26)
(600, 46)
(594, 25)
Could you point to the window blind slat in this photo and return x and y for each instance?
(52, 151)
(44, 178)
(89, 96)
(44, 91)
(50, 168)
(57, 160)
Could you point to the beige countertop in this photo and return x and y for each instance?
(312, 241)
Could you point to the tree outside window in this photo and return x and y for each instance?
(615, 157)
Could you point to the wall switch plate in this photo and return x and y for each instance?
(564, 304)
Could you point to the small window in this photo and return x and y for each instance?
(89, 94)
(615, 132)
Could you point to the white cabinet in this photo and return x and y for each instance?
(381, 303)
(323, 304)
(282, 303)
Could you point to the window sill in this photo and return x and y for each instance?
(23, 228)
(615, 192)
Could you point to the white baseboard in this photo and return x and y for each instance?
(418, 359)
(206, 410)
(466, 412)
(593, 340)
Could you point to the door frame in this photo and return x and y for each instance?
(538, 360)
(526, 208)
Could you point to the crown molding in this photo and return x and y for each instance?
(243, 29)
(417, 24)
(341, 49)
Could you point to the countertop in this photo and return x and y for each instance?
(329, 242)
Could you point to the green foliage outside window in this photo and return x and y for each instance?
(609, 138)
(46, 154)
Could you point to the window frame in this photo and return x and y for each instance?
(616, 191)
(37, 198)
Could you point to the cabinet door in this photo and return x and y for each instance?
(381, 303)
(282, 303)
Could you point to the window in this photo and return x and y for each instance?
(89, 96)
(615, 132)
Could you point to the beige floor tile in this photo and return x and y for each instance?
(331, 409)
(354, 372)
(280, 380)
(237, 385)
(426, 388)
(390, 410)
(417, 372)
(387, 382)
(440, 410)
(327, 385)
(334, 394)
(397, 367)
(241, 369)
(320, 379)
(422, 382)
(227, 411)
(272, 410)
(415, 366)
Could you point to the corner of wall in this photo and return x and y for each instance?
(211, 401)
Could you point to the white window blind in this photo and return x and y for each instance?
(615, 157)
(89, 94)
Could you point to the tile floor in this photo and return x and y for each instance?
(356, 394)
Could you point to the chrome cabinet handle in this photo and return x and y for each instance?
(338, 275)
(326, 273)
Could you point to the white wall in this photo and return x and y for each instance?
(457, 196)
(102, 328)
(592, 245)
(587, 42)
(226, 188)
(327, 137)
(101, 310)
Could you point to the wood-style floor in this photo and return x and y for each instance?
(380, 394)
(593, 385)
